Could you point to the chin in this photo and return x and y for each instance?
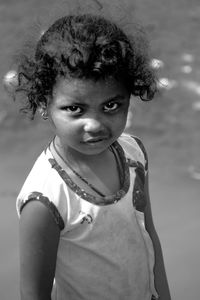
(94, 148)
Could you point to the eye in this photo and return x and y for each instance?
(111, 106)
(73, 109)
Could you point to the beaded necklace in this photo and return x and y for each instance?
(83, 178)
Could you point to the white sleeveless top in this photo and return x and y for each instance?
(105, 252)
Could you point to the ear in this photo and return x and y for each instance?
(42, 109)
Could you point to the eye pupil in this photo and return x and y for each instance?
(73, 108)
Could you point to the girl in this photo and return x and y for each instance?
(86, 229)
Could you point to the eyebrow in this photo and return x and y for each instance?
(115, 98)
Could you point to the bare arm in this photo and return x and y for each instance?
(39, 237)
(159, 269)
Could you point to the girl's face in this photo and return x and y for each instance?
(88, 116)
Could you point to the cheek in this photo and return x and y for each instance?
(59, 124)
(122, 116)
(119, 122)
(69, 128)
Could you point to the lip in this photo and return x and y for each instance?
(95, 140)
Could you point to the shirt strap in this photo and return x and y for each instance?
(140, 144)
(36, 196)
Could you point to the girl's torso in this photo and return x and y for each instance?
(104, 250)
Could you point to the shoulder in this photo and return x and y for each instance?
(134, 149)
(44, 185)
(39, 175)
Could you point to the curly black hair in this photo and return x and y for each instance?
(84, 47)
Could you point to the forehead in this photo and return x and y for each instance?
(85, 90)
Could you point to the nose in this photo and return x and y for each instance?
(93, 125)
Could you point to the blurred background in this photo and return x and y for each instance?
(169, 127)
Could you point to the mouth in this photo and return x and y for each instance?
(95, 140)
